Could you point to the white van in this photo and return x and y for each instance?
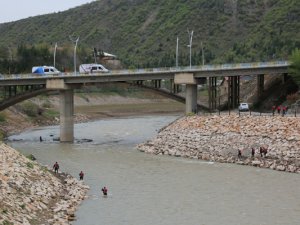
(45, 70)
(92, 68)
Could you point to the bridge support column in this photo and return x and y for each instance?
(212, 93)
(233, 91)
(260, 85)
(190, 90)
(66, 115)
(191, 98)
(284, 78)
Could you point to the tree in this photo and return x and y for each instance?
(294, 69)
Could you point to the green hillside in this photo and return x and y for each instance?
(143, 32)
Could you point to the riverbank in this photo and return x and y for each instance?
(87, 108)
(218, 139)
(33, 194)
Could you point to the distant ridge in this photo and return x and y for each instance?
(144, 32)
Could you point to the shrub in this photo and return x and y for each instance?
(30, 109)
(29, 165)
(47, 104)
(5, 222)
(292, 98)
(190, 114)
(2, 118)
(31, 157)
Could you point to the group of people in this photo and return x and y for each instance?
(262, 151)
(280, 109)
(81, 175)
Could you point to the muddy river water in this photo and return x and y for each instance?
(147, 189)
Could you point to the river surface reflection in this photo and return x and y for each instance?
(147, 189)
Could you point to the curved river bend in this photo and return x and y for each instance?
(147, 189)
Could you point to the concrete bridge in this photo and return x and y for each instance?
(16, 88)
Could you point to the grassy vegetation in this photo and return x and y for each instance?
(2, 117)
(29, 108)
(30, 165)
(51, 113)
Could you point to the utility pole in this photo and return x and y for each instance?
(190, 45)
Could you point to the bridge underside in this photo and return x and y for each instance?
(11, 95)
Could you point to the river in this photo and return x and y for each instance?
(147, 189)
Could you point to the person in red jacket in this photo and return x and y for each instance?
(278, 109)
(104, 191)
(273, 109)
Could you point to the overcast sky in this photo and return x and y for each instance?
(11, 10)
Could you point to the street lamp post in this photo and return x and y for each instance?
(54, 54)
(190, 45)
(177, 53)
(75, 48)
(202, 54)
(10, 58)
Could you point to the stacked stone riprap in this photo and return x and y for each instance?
(31, 194)
(218, 138)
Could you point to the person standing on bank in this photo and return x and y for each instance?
(81, 175)
(56, 167)
(239, 153)
(252, 152)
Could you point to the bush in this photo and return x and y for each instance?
(292, 98)
(190, 114)
(2, 118)
(47, 104)
(5, 222)
(30, 109)
(29, 165)
(31, 157)
(2, 135)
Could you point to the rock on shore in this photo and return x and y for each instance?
(32, 194)
(218, 138)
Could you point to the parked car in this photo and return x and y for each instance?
(243, 107)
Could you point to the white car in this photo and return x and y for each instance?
(244, 107)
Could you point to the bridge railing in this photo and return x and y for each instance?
(164, 69)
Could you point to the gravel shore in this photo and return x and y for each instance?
(33, 194)
(219, 138)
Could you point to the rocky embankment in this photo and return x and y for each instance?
(218, 138)
(32, 194)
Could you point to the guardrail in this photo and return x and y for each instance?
(165, 69)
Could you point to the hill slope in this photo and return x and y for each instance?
(143, 32)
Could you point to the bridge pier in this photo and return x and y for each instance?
(191, 98)
(190, 90)
(284, 78)
(212, 93)
(66, 115)
(233, 91)
(260, 85)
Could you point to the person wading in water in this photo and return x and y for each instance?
(104, 191)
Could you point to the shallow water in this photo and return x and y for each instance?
(147, 189)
